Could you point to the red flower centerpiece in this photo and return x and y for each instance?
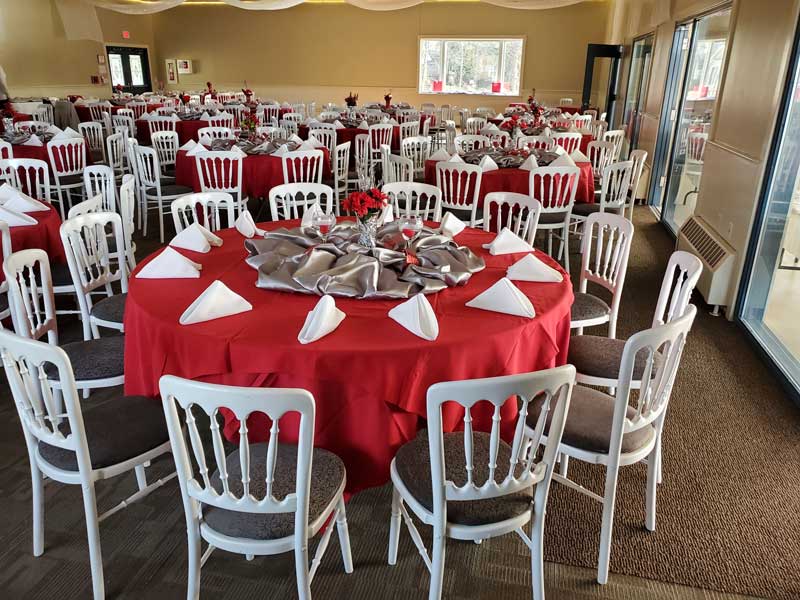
(351, 100)
(388, 99)
(118, 89)
(210, 88)
(248, 93)
(366, 206)
(248, 124)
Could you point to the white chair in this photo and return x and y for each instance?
(449, 480)
(256, 501)
(325, 136)
(138, 108)
(605, 248)
(569, 140)
(566, 102)
(95, 141)
(485, 111)
(600, 155)
(303, 166)
(45, 113)
(460, 184)
(470, 142)
(291, 200)
(362, 162)
(68, 159)
(216, 133)
(127, 207)
(617, 136)
(517, 212)
(291, 127)
(99, 180)
(638, 158)
(153, 193)
(293, 116)
(156, 124)
(115, 154)
(30, 175)
(599, 129)
(583, 123)
(96, 363)
(272, 133)
(500, 139)
(617, 431)
(542, 142)
(94, 266)
(341, 173)
(165, 111)
(222, 120)
(555, 189)
(414, 199)
(210, 205)
(474, 125)
(167, 145)
(417, 150)
(614, 187)
(93, 205)
(378, 135)
(221, 172)
(96, 111)
(273, 111)
(408, 115)
(409, 129)
(327, 115)
(125, 123)
(591, 113)
(70, 444)
(395, 168)
(6, 150)
(5, 300)
(695, 156)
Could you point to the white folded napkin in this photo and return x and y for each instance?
(308, 216)
(188, 145)
(295, 138)
(107, 104)
(205, 140)
(504, 297)
(54, 130)
(564, 160)
(170, 264)
(16, 219)
(507, 242)
(196, 238)
(224, 113)
(145, 116)
(204, 116)
(261, 147)
(567, 116)
(385, 120)
(338, 124)
(530, 163)
(487, 164)
(174, 117)
(440, 154)
(498, 116)
(247, 226)
(306, 146)
(285, 105)
(451, 225)
(72, 133)
(416, 315)
(393, 121)
(61, 136)
(281, 151)
(314, 142)
(13, 199)
(559, 150)
(320, 321)
(363, 125)
(33, 141)
(238, 151)
(196, 149)
(387, 215)
(455, 159)
(79, 102)
(530, 268)
(216, 302)
(579, 156)
(491, 127)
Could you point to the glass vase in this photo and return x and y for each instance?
(367, 232)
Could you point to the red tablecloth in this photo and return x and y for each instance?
(369, 377)
(517, 180)
(187, 130)
(43, 235)
(85, 115)
(570, 110)
(259, 173)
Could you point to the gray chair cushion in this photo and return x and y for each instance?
(413, 466)
(67, 180)
(116, 430)
(589, 422)
(583, 209)
(175, 190)
(110, 309)
(327, 475)
(585, 306)
(551, 218)
(598, 356)
(94, 359)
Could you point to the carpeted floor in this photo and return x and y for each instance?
(728, 518)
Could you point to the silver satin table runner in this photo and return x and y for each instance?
(296, 260)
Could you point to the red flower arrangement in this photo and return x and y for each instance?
(118, 88)
(513, 122)
(247, 92)
(366, 204)
(388, 99)
(351, 100)
(248, 122)
(210, 88)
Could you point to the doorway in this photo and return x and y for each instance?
(600, 78)
(636, 94)
(129, 67)
(693, 82)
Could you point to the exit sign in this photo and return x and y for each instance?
(126, 35)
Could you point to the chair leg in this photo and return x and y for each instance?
(394, 526)
(301, 569)
(564, 467)
(550, 242)
(195, 558)
(653, 462)
(141, 476)
(160, 219)
(565, 241)
(660, 462)
(344, 536)
(93, 534)
(537, 556)
(437, 564)
(37, 486)
(609, 498)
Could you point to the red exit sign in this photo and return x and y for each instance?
(126, 35)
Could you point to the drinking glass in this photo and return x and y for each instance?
(323, 222)
(411, 227)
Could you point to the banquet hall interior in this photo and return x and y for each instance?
(355, 299)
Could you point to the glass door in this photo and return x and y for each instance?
(130, 68)
(772, 292)
(638, 79)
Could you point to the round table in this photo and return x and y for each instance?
(44, 235)
(369, 377)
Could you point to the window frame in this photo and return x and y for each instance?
(471, 38)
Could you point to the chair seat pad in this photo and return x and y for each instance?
(598, 356)
(175, 190)
(94, 359)
(67, 180)
(585, 306)
(327, 476)
(413, 466)
(584, 209)
(60, 274)
(589, 422)
(116, 431)
(552, 218)
(110, 309)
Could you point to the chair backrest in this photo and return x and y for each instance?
(303, 166)
(67, 157)
(500, 139)
(605, 248)
(216, 133)
(30, 175)
(326, 136)
(210, 205)
(470, 142)
(409, 129)
(328, 114)
(271, 111)
(30, 294)
(96, 111)
(475, 125)
(565, 101)
(414, 199)
(293, 116)
(508, 469)
(291, 200)
(362, 151)
(127, 206)
(460, 184)
(680, 278)
(166, 144)
(696, 146)
(591, 113)
(341, 162)
(554, 187)
(233, 490)
(223, 119)
(406, 115)
(568, 140)
(99, 179)
(92, 264)
(115, 152)
(638, 158)
(148, 170)
(92, 205)
(600, 155)
(379, 134)
(543, 142)
(395, 168)
(599, 129)
(272, 133)
(219, 172)
(417, 149)
(125, 112)
(161, 124)
(583, 122)
(517, 212)
(127, 122)
(93, 134)
(618, 137)
(44, 112)
(138, 108)
(615, 185)
(6, 150)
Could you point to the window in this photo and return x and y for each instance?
(707, 70)
(117, 75)
(477, 66)
(137, 76)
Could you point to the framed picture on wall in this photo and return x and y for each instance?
(172, 70)
(184, 66)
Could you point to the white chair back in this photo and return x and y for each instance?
(303, 166)
(414, 199)
(680, 278)
(409, 129)
(475, 125)
(599, 129)
(223, 119)
(166, 144)
(210, 205)
(583, 123)
(115, 153)
(67, 157)
(395, 168)
(291, 200)
(460, 184)
(517, 212)
(216, 133)
(138, 108)
(220, 172)
(30, 175)
(99, 180)
(616, 183)
(379, 134)
(325, 136)
(96, 111)
(161, 124)
(92, 205)
(127, 207)
(569, 140)
(30, 293)
(617, 136)
(93, 134)
(470, 142)
(32, 126)
(543, 142)
(417, 149)
(600, 155)
(341, 171)
(554, 187)
(126, 122)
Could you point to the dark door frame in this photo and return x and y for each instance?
(126, 49)
(593, 51)
(633, 142)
